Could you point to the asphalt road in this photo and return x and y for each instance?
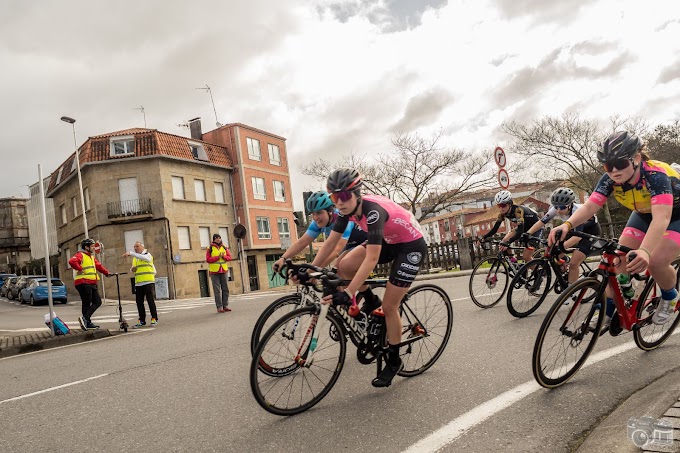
(183, 386)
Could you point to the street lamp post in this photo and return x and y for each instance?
(72, 122)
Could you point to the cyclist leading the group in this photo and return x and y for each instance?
(521, 217)
(562, 207)
(324, 216)
(651, 189)
(393, 236)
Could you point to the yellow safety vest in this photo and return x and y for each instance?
(221, 263)
(145, 272)
(89, 271)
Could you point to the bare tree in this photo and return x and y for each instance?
(664, 142)
(419, 173)
(566, 146)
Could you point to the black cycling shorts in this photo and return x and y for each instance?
(591, 227)
(406, 259)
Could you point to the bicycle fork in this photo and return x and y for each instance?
(315, 329)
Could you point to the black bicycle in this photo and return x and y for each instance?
(300, 357)
(532, 283)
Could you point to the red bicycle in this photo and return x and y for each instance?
(569, 331)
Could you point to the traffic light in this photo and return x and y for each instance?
(300, 219)
(305, 197)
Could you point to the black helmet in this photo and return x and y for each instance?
(87, 243)
(343, 179)
(619, 145)
(563, 196)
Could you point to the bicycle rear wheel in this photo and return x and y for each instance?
(274, 311)
(566, 338)
(426, 312)
(529, 288)
(289, 385)
(650, 336)
(488, 288)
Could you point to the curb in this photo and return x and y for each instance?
(53, 342)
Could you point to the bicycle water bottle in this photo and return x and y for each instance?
(626, 285)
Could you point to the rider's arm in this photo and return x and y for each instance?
(493, 230)
(372, 257)
(661, 194)
(536, 226)
(342, 243)
(327, 249)
(517, 232)
(586, 211)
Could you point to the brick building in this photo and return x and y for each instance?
(14, 243)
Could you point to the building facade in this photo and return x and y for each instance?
(14, 242)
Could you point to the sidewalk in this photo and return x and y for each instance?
(36, 341)
(660, 400)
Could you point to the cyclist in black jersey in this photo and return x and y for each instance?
(521, 218)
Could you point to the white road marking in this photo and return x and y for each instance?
(28, 395)
(460, 425)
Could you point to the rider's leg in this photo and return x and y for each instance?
(660, 268)
(631, 237)
(575, 265)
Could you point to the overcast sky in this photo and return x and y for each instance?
(332, 76)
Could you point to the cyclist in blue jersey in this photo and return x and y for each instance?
(324, 216)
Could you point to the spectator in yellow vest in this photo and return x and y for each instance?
(217, 256)
(86, 266)
(145, 283)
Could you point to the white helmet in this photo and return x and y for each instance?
(503, 197)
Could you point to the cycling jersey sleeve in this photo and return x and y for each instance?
(313, 231)
(496, 225)
(659, 186)
(552, 212)
(603, 189)
(519, 215)
(376, 216)
(348, 230)
(340, 224)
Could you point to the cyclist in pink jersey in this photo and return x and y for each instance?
(393, 236)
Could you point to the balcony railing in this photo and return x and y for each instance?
(129, 208)
(15, 242)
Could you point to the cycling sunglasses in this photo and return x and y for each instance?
(502, 205)
(561, 208)
(617, 164)
(341, 196)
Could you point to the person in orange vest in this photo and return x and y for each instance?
(217, 256)
(86, 278)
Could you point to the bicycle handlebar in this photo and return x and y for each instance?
(598, 243)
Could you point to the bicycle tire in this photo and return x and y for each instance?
(534, 298)
(489, 280)
(580, 328)
(258, 328)
(414, 318)
(287, 379)
(645, 311)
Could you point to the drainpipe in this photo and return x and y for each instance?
(171, 267)
(239, 241)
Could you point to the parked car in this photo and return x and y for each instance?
(13, 291)
(4, 289)
(36, 291)
(4, 277)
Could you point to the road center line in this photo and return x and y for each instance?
(52, 388)
(460, 425)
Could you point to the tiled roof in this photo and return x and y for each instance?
(251, 128)
(148, 142)
(448, 215)
(492, 213)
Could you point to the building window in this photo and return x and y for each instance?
(122, 146)
(274, 155)
(74, 201)
(63, 215)
(279, 191)
(198, 151)
(224, 233)
(254, 149)
(67, 253)
(204, 235)
(86, 194)
(132, 236)
(263, 231)
(184, 238)
(284, 229)
(259, 191)
(178, 187)
(199, 187)
(219, 192)
(61, 170)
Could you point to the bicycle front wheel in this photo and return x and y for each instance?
(488, 282)
(568, 333)
(290, 384)
(650, 336)
(274, 311)
(529, 288)
(427, 319)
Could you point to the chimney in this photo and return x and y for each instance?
(195, 128)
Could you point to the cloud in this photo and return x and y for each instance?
(593, 47)
(389, 15)
(541, 11)
(499, 60)
(669, 73)
(423, 110)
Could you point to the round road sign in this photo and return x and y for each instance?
(499, 156)
(98, 247)
(503, 178)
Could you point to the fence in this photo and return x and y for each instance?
(439, 257)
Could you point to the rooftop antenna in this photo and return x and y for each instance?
(209, 91)
(141, 109)
(183, 125)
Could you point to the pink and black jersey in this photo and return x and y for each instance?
(383, 220)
